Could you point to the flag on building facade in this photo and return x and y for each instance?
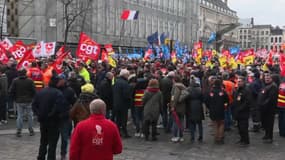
(129, 15)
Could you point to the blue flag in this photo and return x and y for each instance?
(166, 52)
(212, 37)
(153, 38)
(179, 50)
(234, 50)
(162, 38)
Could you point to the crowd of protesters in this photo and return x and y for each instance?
(180, 94)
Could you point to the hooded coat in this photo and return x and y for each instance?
(152, 101)
(194, 103)
(180, 107)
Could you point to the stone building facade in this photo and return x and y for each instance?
(215, 15)
(44, 20)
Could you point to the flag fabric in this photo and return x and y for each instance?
(173, 57)
(179, 50)
(212, 37)
(57, 65)
(234, 50)
(109, 49)
(148, 54)
(104, 56)
(198, 45)
(87, 47)
(39, 49)
(165, 52)
(129, 15)
(49, 49)
(18, 50)
(6, 43)
(3, 55)
(153, 38)
(112, 61)
(26, 59)
(60, 51)
(162, 38)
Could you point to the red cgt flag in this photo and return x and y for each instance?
(18, 50)
(109, 49)
(57, 65)
(87, 47)
(26, 59)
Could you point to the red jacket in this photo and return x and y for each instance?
(95, 138)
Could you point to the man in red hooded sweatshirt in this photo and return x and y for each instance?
(96, 137)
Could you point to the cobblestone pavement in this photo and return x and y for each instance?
(26, 147)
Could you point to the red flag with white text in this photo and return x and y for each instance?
(6, 43)
(87, 47)
(18, 50)
(26, 59)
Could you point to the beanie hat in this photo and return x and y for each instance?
(87, 88)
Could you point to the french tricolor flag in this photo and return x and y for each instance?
(129, 15)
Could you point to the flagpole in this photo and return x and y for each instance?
(121, 34)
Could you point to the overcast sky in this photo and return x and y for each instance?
(263, 11)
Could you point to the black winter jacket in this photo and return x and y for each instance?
(105, 92)
(267, 98)
(194, 103)
(48, 105)
(215, 100)
(22, 90)
(122, 94)
(242, 103)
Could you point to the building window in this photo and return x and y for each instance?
(266, 33)
(240, 37)
(262, 32)
(280, 39)
(275, 39)
(272, 39)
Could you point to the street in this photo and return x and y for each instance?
(26, 147)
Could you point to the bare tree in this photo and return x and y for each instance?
(73, 9)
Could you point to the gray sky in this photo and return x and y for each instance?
(263, 11)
